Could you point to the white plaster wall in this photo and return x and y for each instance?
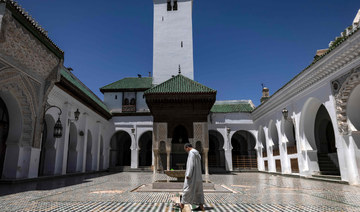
(88, 120)
(170, 28)
(141, 105)
(114, 105)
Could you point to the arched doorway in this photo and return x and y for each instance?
(178, 154)
(145, 144)
(101, 161)
(325, 143)
(4, 130)
(48, 151)
(216, 154)
(289, 131)
(243, 152)
(89, 152)
(120, 153)
(72, 150)
(274, 137)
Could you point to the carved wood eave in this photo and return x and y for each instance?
(346, 53)
(73, 91)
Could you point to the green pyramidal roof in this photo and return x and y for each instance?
(130, 83)
(179, 84)
(234, 106)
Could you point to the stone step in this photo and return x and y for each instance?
(326, 176)
(129, 169)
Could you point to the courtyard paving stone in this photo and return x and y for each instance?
(114, 192)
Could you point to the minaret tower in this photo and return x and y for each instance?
(173, 39)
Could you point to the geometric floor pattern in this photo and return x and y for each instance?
(113, 192)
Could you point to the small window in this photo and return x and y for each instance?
(182, 44)
(126, 101)
(162, 18)
(169, 5)
(132, 101)
(175, 7)
(115, 96)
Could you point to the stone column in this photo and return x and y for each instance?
(205, 152)
(168, 160)
(228, 152)
(156, 159)
(134, 152)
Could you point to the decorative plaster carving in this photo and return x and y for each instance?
(198, 132)
(162, 132)
(11, 81)
(342, 97)
(18, 43)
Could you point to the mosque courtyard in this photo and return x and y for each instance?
(118, 192)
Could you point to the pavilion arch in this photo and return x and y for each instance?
(307, 122)
(72, 155)
(243, 152)
(120, 153)
(89, 156)
(274, 137)
(216, 154)
(353, 113)
(48, 150)
(145, 153)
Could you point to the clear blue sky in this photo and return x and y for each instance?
(237, 44)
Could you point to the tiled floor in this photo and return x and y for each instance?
(254, 192)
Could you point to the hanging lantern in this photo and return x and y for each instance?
(285, 113)
(58, 129)
(77, 114)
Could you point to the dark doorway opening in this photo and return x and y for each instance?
(325, 143)
(4, 130)
(178, 154)
(120, 153)
(145, 144)
(216, 154)
(243, 152)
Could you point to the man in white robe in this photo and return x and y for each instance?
(193, 185)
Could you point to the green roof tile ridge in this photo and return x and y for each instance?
(77, 83)
(180, 84)
(130, 83)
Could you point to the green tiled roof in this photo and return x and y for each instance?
(232, 106)
(77, 83)
(129, 83)
(179, 84)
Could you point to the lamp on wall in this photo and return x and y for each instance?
(76, 115)
(58, 126)
(132, 130)
(285, 113)
(228, 130)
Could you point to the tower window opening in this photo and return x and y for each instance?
(182, 44)
(115, 96)
(175, 7)
(162, 18)
(169, 8)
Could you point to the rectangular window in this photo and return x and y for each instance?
(175, 7)
(169, 5)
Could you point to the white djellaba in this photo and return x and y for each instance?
(193, 187)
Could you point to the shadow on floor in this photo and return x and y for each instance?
(47, 183)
